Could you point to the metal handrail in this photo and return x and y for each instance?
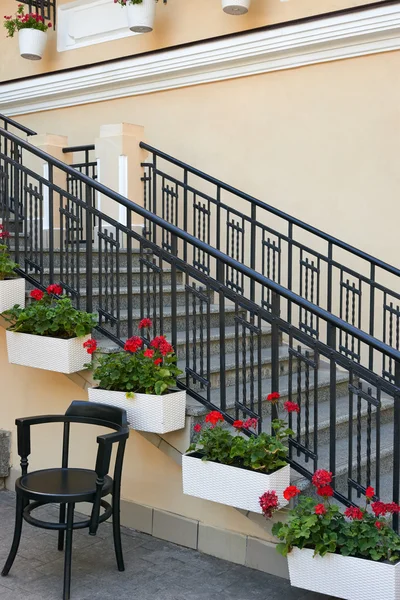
(217, 254)
(279, 213)
(17, 125)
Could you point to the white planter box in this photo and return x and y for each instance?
(231, 485)
(12, 291)
(147, 412)
(32, 43)
(344, 577)
(51, 354)
(141, 16)
(236, 7)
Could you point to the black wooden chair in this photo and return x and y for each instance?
(66, 486)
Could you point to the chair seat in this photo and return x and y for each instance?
(61, 485)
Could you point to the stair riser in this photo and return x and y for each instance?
(123, 279)
(215, 347)
(72, 258)
(181, 324)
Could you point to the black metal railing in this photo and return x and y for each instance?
(234, 346)
(355, 286)
(84, 162)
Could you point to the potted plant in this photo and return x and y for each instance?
(141, 380)
(49, 332)
(141, 14)
(234, 469)
(236, 7)
(32, 32)
(12, 288)
(351, 555)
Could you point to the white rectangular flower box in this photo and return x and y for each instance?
(51, 354)
(147, 412)
(12, 292)
(344, 577)
(229, 485)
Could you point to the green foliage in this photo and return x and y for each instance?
(127, 2)
(7, 265)
(24, 21)
(51, 317)
(264, 453)
(365, 537)
(136, 373)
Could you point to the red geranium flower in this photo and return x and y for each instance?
(379, 525)
(291, 407)
(133, 344)
(37, 294)
(251, 423)
(321, 478)
(238, 424)
(54, 289)
(320, 509)
(269, 503)
(91, 346)
(158, 361)
(160, 339)
(148, 353)
(379, 508)
(291, 492)
(392, 508)
(145, 324)
(326, 491)
(353, 512)
(369, 493)
(214, 417)
(197, 428)
(4, 234)
(273, 397)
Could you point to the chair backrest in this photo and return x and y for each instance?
(91, 411)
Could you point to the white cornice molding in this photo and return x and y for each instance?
(332, 38)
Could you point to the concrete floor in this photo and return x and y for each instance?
(155, 570)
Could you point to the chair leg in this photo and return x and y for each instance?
(68, 552)
(117, 532)
(61, 532)
(17, 535)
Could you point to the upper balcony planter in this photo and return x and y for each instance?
(141, 14)
(236, 7)
(32, 32)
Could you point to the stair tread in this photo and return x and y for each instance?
(180, 311)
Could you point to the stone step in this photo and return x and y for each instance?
(76, 256)
(107, 346)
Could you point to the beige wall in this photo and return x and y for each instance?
(150, 477)
(179, 22)
(320, 142)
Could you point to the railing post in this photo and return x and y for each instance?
(276, 311)
(89, 250)
(222, 357)
(174, 305)
(331, 341)
(253, 236)
(396, 444)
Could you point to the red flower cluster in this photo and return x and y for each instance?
(158, 361)
(214, 417)
(37, 294)
(269, 503)
(321, 478)
(238, 424)
(380, 509)
(273, 397)
(369, 493)
(160, 343)
(148, 353)
(197, 428)
(291, 492)
(320, 509)
(291, 407)
(326, 491)
(91, 346)
(54, 289)
(145, 324)
(133, 344)
(3, 233)
(353, 512)
(251, 423)
(379, 525)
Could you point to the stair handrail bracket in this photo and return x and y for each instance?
(240, 330)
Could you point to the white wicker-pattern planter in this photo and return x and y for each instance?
(12, 291)
(344, 577)
(51, 354)
(236, 7)
(141, 16)
(32, 43)
(229, 485)
(147, 412)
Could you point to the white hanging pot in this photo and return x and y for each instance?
(236, 7)
(32, 43)
(141, 16)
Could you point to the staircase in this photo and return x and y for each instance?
(210, 277)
